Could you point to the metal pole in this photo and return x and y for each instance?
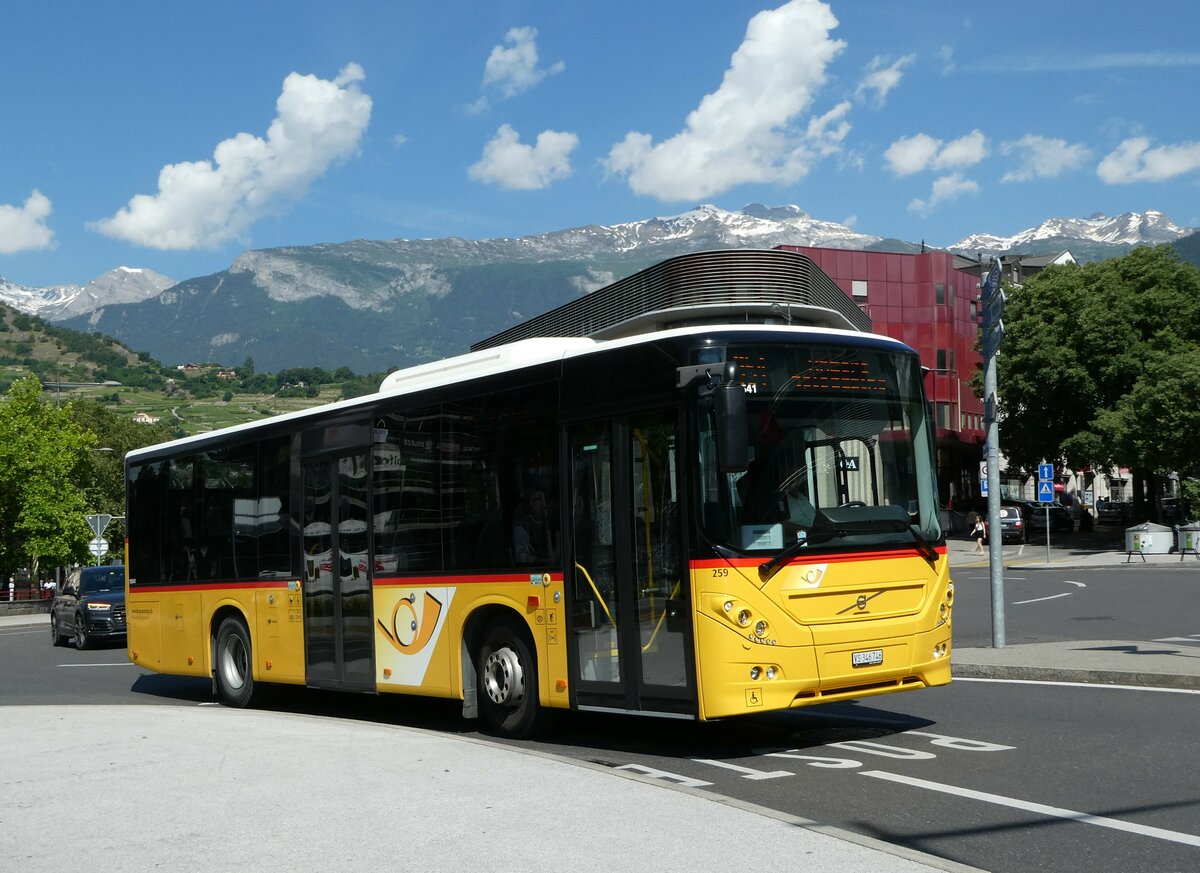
(1047, 533)
(995, 543)
(992, 297)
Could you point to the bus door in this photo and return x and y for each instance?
(628, 614)
(338, 634)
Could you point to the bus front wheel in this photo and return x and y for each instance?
(508, 682)
(234, 669)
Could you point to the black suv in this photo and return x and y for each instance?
(90, 607)
(1012, 525)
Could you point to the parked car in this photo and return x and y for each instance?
(90, 607)
(1060, 518)
(1013, 528)
(1115, 512)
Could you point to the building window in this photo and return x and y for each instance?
(939, 293)
(859, 290)
(945, 415)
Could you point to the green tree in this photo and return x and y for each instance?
(43, 458)
(1095, 364)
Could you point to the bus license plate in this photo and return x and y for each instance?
(872, 658)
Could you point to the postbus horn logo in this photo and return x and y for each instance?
(408, 634)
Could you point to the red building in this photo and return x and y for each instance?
(929, 301)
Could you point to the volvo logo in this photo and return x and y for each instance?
(860, 603)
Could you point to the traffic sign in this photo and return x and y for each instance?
(98, 523)
(1045, 492)
(983, 488)
(1045, 472)
(98, 546)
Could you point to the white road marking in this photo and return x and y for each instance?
(747, 772)
(686, 781)
(1080, 685)
(1040, 599)
(1076, 584)
(1194, 638)
(1040, 808)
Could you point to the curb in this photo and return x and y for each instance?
(1086, 677)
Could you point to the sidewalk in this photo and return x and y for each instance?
(205, 789)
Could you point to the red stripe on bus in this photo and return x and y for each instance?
(814, 558)
(135, 588)
(478, 579)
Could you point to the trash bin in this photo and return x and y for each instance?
(1187, 538)
(1149, 539)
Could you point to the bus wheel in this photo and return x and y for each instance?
(508, 679)
(234, 670)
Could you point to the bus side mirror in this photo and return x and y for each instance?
(732, 443)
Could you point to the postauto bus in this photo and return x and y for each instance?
(691, 515)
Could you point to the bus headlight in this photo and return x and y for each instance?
(755, 672)
(744, 617)
(760, 629)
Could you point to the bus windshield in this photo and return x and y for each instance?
(841, 454)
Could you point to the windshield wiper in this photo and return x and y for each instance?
(826, 532)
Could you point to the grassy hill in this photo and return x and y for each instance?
(74, 364)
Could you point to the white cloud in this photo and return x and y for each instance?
(946, 55)
(825, 133)
(1059, 62)
(966, 151)
(509, 163)
(1134, 161)
(882, 79)
(944, 189)
(913, 154)
(741, 132)
(202, 204)
(1043, 158)
(514, 70)
(23, 228)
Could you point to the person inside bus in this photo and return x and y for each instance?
(533, 541)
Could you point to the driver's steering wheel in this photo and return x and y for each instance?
(852, 503)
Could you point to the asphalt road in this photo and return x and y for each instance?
(1043, 606)
(1001, 776)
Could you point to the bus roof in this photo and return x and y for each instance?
(519, 356)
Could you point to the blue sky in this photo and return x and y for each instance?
(175, 136)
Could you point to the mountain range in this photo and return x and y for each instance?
(375, 305)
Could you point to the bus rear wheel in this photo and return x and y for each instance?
(233, 665)
(508, 680)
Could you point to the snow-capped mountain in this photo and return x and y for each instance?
(58, 302)
(1129, 229)
(374, 304)
(399, 267)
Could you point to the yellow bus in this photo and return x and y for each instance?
(697, 511)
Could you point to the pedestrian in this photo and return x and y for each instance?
(978, 533)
